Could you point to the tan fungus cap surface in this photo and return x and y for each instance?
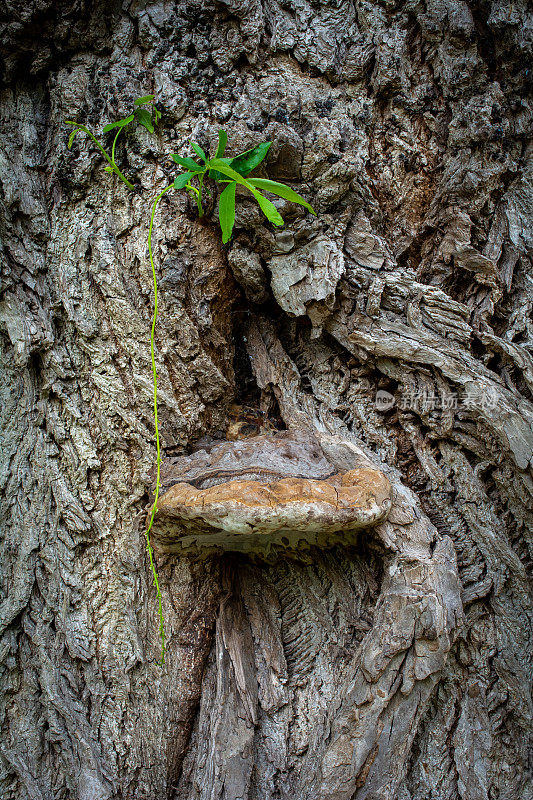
(261, 510)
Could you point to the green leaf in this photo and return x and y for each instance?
(222, 142)
(108, 169)
(188, 163)
(281, 190)
(156, 114)
(72, 136)
(221, 165)
(269, 209)
(141, 101)
(145, 119)
(121, 123)
(215, 174)
(181, 180)
(250, 159)
(199, 152)
(226, 211)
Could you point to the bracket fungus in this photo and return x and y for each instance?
(264, 495)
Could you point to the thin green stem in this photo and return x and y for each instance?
(199, 205)
(110, 161)
(113, 147)
(199, 196)
(191, 188)
(158, 447)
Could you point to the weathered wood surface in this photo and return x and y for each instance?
(398, 670)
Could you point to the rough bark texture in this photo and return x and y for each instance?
(396, 324)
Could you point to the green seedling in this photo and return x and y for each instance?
(140, 114)
(228, 173)
(231, 172)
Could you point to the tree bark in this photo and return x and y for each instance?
(396, 324)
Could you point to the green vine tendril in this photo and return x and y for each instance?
(158, 446)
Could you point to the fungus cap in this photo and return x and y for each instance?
(263, 495)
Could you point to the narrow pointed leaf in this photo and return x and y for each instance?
(141, 101)
(120, 123)
(188, 163)
(269, 209)
(250, 159)
(221, 165)
(222, 142)
(181, 180)
(226, 211)
(198, 150)
(281, 190)
(71, 137)
(215, 174)
(145, 119)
